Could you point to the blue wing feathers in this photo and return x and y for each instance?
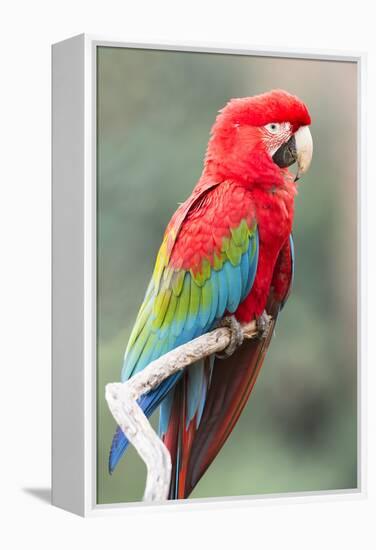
(195, 380)
(148, 402)
(183, 320)
(165, 411)
(234, 281)
(222, 293)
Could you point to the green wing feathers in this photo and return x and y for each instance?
(181, 304)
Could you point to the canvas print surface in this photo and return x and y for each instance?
(227, 195)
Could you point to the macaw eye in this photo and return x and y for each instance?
(273, 127)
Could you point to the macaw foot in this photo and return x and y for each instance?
(263, 324)
(236, 338)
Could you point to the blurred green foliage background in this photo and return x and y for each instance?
(155, 109)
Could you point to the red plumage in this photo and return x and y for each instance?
(240, 180)
(206, 225)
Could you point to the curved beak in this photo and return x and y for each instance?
(304, 150)
(298, 148)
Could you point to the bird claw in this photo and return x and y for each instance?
(263, 325)
(236, 336)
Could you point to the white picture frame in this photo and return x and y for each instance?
(74, 274)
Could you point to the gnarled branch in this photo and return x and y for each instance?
(122, 401)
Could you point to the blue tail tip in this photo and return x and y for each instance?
(118, 446)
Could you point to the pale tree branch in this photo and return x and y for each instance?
(122, 401)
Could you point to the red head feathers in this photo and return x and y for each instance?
(248, 131)
(273, 106)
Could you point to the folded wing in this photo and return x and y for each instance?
(184, 301)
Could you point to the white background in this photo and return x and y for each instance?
(26, 31)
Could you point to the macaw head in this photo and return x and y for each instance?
(255, 139)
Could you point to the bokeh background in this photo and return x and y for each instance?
(155, 109)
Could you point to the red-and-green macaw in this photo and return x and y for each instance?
(227, 251)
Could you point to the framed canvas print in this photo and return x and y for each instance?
(206, 275)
